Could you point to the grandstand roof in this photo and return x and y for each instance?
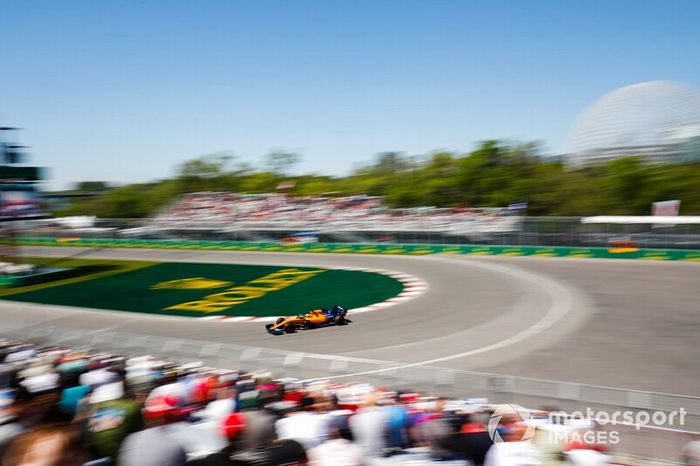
(636, 219)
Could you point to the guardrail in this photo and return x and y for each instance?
(370, 248)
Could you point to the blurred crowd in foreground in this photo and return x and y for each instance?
(65, 407)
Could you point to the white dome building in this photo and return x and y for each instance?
(656, 120)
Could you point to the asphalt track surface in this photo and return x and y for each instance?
(623, 323)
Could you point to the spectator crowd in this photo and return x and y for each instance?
(84, 407)
(278, 210)
(227, 207)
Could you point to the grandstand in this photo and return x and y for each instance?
(274, 217)
(277, 215)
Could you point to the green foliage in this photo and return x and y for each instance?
(92, 186)
(281, 162)
(494, 174)
(202, 173)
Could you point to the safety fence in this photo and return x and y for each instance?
(508, 230)
(370, 248)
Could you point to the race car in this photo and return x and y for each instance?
(312, 319)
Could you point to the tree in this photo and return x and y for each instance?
(628, 182)
(92, 186)
(199, 174)
(206, 166)
(281, 162)
(391, 163)
(494, 174)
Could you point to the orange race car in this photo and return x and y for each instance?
(312, 319)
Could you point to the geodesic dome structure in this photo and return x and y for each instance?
(658, 120)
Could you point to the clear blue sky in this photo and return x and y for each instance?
(125, 90)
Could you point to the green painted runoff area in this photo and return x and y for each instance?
(199, 290)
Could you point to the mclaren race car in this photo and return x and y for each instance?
(313, 319)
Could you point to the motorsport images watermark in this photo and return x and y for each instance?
(503, 420)
(636, 418)
(515, 423)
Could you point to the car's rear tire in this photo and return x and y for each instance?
(340, 320)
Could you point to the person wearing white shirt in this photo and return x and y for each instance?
(306, 427)
(691, 452)
(97, 377)
(513, 454)
(338, 450)
(368, 426)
